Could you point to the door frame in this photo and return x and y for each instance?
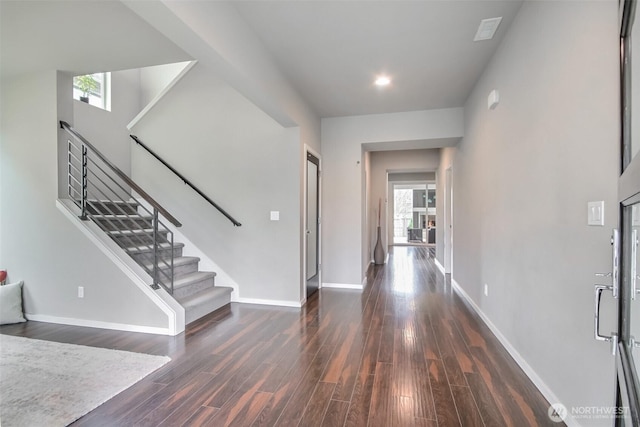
(448, 221)
(309, 150)
(628, 384)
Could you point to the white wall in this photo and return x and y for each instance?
(244, 161)
(107, 130)
(383, 162)
(217, 36)
(523, 175)
(39, 244)
(344, 248)
(411, 176)
(153, 80)
(214, 34)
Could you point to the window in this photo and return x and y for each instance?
(94, 89)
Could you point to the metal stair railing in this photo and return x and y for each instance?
(107, 196)
(234, 221)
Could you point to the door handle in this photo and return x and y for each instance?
(613, 339)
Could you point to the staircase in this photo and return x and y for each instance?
(195, 290)
(105, 195)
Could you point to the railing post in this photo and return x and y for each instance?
(83, 215)
(172, 263)
(155, 249)
(70, 188)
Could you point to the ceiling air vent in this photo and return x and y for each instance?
(487, 29)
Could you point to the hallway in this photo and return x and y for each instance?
(406, 351)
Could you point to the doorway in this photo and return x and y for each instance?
(413, 213)
(312, 232)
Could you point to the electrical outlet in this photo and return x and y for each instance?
(486, 290)
(80, 291)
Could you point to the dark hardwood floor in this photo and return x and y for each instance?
(406, 351)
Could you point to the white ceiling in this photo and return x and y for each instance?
(332, 50)
(78, 36)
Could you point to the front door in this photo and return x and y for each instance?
(313, 224)
(628, 336)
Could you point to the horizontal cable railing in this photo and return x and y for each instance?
(186, 181)
(107, 196)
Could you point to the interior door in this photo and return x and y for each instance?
(628, 353)
(313, 224)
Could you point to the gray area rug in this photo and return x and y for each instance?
(45, 383)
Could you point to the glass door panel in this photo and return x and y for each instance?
(627, 355)
(634, 48)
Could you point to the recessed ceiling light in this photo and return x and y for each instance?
(487, 29)
(382, 81)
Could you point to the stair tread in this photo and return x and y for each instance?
(177, 261)
(122, 216)
(116, 202)
(110, 204)
(149, 248)
(136, 231)
(187, 279)
(203, 296)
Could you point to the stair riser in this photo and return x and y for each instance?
(140, 239)
(147, 257)
(124, 223)
(194, 288)
(112, 208)
(178, 271)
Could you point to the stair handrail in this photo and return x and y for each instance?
(66, 126)
(186, 181)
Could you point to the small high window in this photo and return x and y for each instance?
(94, 89)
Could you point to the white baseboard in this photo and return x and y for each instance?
(528, 370)
(439, 266)
(97, 324)
(269, 302)
(343, 285)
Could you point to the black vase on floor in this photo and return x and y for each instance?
(378, 252)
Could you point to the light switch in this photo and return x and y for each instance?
(595, 214)
(275, 215)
